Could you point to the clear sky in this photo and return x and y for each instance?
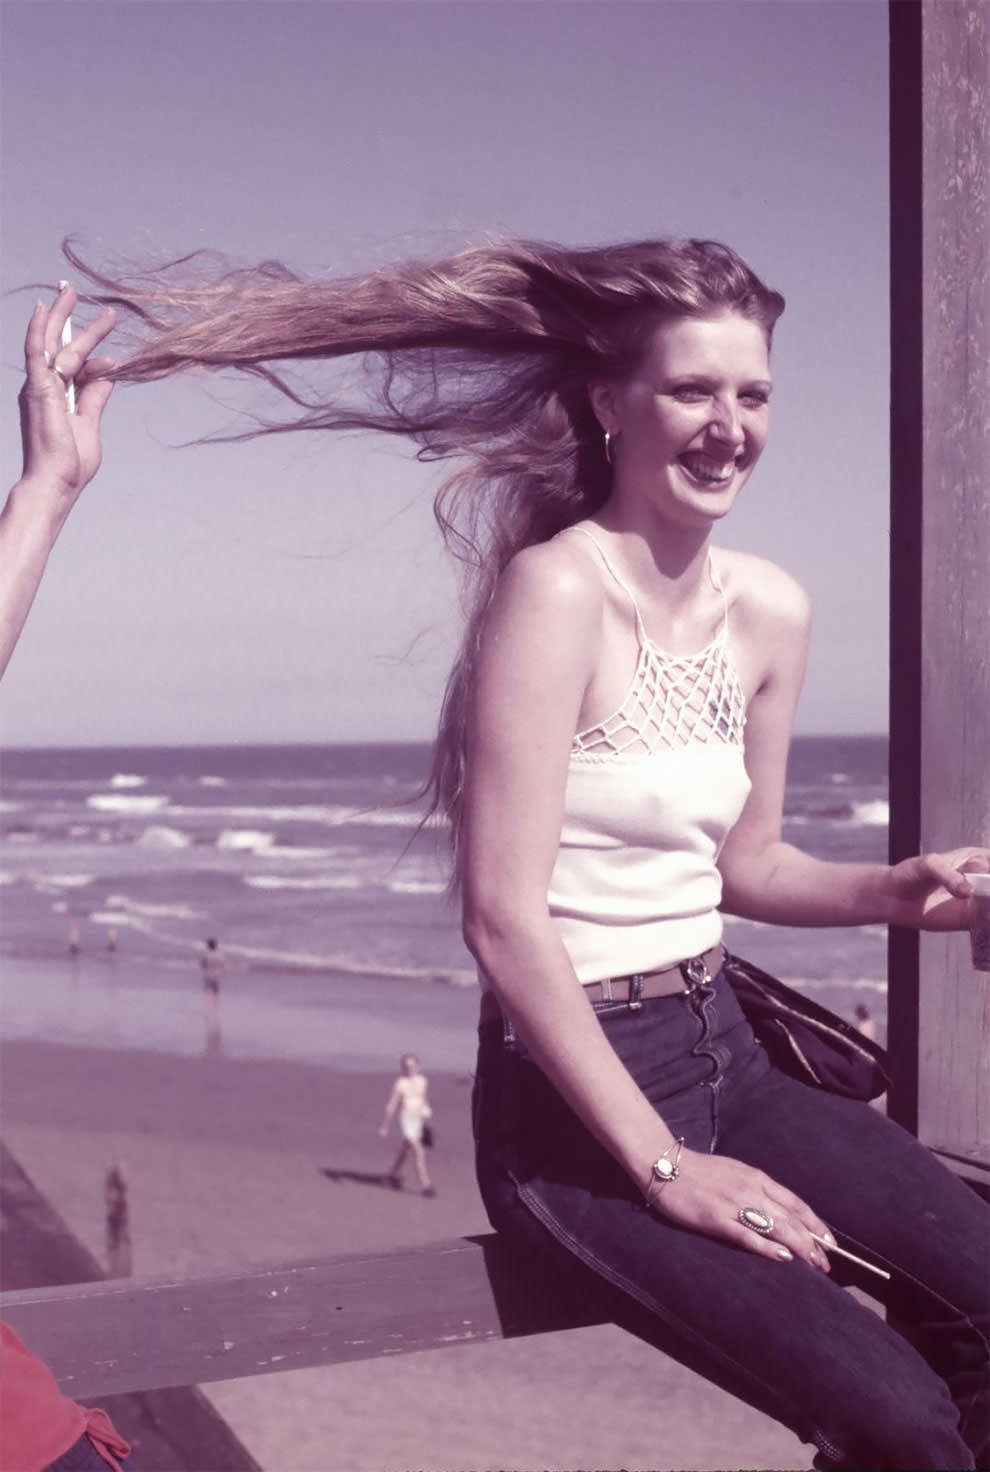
(294, 589)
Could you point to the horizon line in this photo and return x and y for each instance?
(309, 744)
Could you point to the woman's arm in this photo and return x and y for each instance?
(391, 1106)
(61, 454)
(765, 878)
(538, 654)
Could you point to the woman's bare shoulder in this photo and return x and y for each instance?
(761, 593)
(557, 577)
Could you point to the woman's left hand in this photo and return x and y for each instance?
(62, 451)
(930, 892)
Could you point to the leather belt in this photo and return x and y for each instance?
(633, 990)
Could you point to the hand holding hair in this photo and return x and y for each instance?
(61, 450)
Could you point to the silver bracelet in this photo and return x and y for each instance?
(664, 1170)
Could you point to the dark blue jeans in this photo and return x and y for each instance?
(782, 1336)
(82, 1456)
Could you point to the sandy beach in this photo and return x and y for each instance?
(238, 1160)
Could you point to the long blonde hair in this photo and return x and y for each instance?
(484, 356)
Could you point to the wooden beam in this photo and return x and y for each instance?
(940, 520)
(125, 1334)
(954, 1083)
(906, 500)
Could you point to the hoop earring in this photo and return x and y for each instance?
(608, 447)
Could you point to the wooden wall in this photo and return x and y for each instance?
(940, 527)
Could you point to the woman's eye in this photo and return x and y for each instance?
(690, 393)
(757, 398)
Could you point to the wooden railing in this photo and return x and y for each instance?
(139, 1346)
(114, 1336)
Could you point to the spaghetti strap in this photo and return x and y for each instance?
(717, 584)
(642, 635)
(640, 626)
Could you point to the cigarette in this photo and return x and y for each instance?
(834, 1247)
(66, 338)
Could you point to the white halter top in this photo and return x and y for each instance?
(651, 793)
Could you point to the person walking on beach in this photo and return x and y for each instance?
(408, 1099)
(213, 967)
(611, 759)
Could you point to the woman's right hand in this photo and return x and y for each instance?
(711, 1190)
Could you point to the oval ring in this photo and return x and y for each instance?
(756, 1220)
(62, 375)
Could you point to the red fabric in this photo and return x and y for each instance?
(37, 1422)
(105, 1437)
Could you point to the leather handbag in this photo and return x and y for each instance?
(804, 1039)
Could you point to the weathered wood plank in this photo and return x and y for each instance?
(940, 525)
(954, 1083)
(137, 1334)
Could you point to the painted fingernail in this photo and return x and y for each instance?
(828, 1237)
(785, 1254)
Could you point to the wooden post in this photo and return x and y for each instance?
(940, 533)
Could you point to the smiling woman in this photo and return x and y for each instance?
(694, 417)
(486, 356)
(611, 757)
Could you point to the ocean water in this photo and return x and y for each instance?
(309, 866)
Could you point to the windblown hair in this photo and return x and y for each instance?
(485, 356)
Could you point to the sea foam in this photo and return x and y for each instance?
(416, 886)
(159, 837)
(112, 802)
(239, 840)
(872, 814)
(122, 904)
(323, 881)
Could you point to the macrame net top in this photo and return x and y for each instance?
(674, 699)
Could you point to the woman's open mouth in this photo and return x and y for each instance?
(707, 472)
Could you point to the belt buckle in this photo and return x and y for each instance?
(696, 973)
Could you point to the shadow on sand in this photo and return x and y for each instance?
(363, 1178)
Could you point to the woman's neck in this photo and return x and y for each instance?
(672, 562)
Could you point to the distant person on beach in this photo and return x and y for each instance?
(40, 1428)
(75, 946)
(864, 1020)
(408, 1099)
(611, 759)
(118, 1224)
(213, 966)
